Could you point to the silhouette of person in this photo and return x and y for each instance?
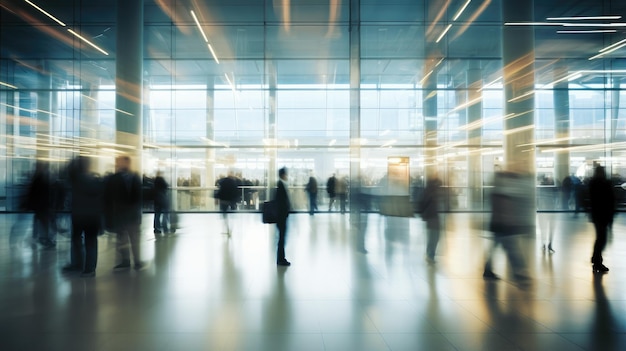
(567, 187)
(39, 200)
(512, 213)
(123, 212)
(283, 206)
(311, 189)
(602, 203)
(330, 189)
(341, 189)
(87, 204)
(161, 204)
(228, 194)
(430, 205)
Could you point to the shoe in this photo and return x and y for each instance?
(139, 266)
(156, 231)
(431, 260)
(284, 263)
(600, 268)
(70, 268)
(88, 274)
(122, 266)
(490, 275)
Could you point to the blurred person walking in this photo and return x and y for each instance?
(228, 193)
(602, 203)
(283, 207)
(330, 189)
(161, 205)
(122, 200)
(87, 206)
(40, 201)
(512, 216)
(311, 189)
(429, 208)
(341, 189)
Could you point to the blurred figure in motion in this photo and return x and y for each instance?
(20, 226)
(512, 216)
(311, 189)
(161, 205)
(330, 189)
(363, 200)
(566, 191)
(122, 200)
(429, 209)
(40, 201)
(283, 206)
(602, 203)
(341, 189)
(228, 193)
(87, 205)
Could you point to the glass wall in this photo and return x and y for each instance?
(248, 87)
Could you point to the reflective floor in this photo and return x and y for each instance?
(204, 290)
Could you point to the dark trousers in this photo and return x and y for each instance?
(281, 224)
(161, 220)
(342, 202)
(312, 203)
(87, 227)
(127, 239)
(598, 247)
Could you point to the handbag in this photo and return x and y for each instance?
(270, 212)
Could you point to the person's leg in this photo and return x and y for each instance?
(514, 253)
(76, 245)
(598, 247)
(92, 227)
(431, 243)
(134, 233)
(488, 271)
(281, 224)
(311, 204)
(158, 212)
(123, 247)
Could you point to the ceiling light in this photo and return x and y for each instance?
(443, 33)
(213, 53)
(602, 53)
(586, 31)
(8, 85)
(580, 18)
(461, 10)
(613, 45)
(46, 13)
(88, 42)
(199, 26)
(534, 24)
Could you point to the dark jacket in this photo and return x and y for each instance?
(228, 190)
(87, 195)
(311, 186)
(161, 196)
(122, 200)
(282, 201)
(330, 186)
(602, 200)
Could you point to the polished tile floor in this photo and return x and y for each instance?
(204, 290)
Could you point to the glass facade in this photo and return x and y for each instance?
(281, 96)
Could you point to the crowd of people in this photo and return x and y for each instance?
(114, 203)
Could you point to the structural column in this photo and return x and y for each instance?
(270, 150)
(210, 135)
(474, 135)
(355, 108)
(519, 83)
(561, 123)
(44, 109)
(129, 80)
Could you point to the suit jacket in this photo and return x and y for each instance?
(282, 201)
(122, 200)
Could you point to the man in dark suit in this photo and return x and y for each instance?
(123, 211)
(602, 212)
(283, 206)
